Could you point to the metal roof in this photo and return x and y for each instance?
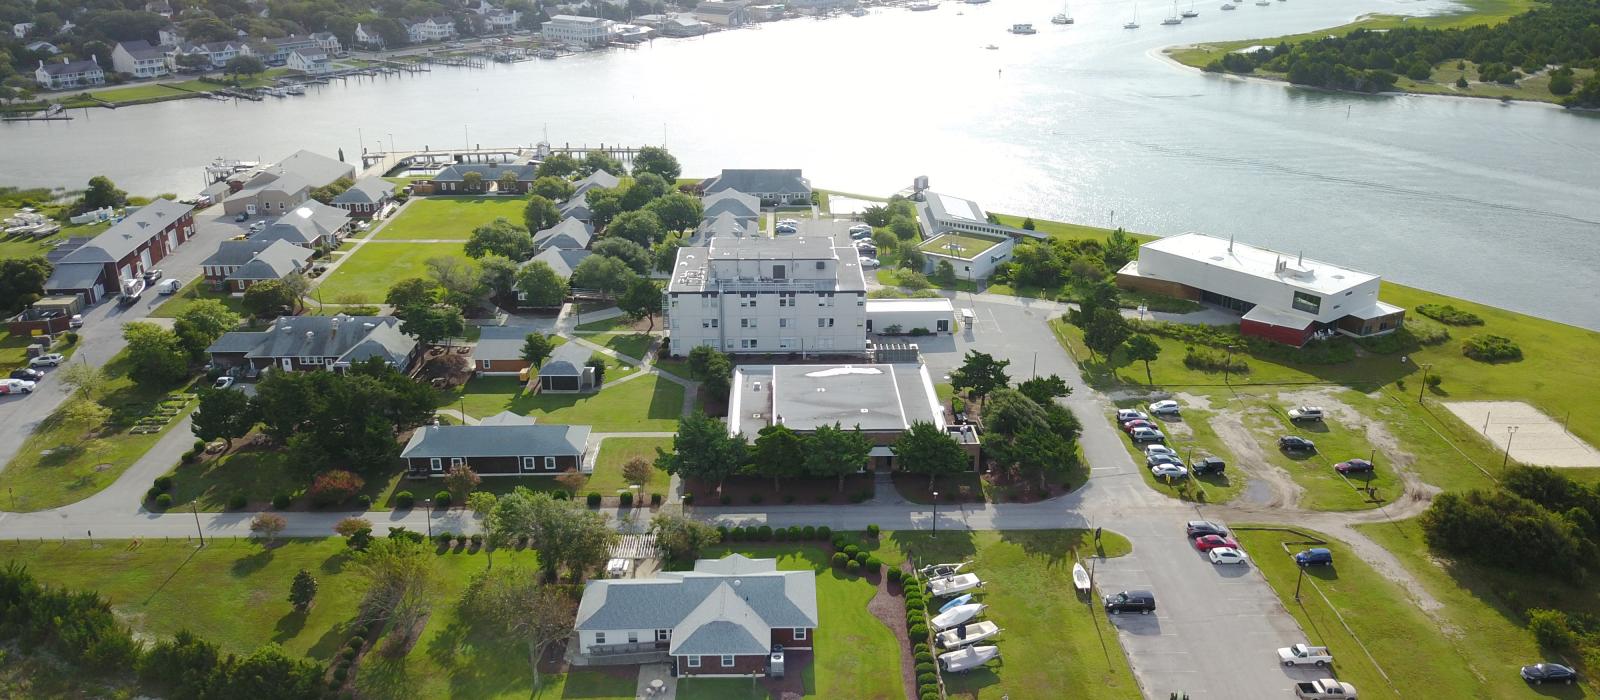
(760, 180)
(710, 610)
(136, 229)
(496, 441)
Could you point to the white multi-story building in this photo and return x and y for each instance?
(369, 38)
(139, 59)
(766, 296)
(431, 29)
(498, 21)
(70, 74)
(572, 29)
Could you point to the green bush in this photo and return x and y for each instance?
(340, 674)
(627, 499)
(1336, 350)
(764, 534)
(824, 533)
(363, 501)
(809, 532)
(281, 501)
(926, 678)
(924, 657)
(1208, 360)
(1445, 313)
(839, 559)
(164, 501)
(441, 499)
(199, 446)
(853, 566)
(593, 499)
(921, 648)
(894, 575)
(476, 539)
(861, 558)
(655, 499)
(443, 538)
(930, 695)
(780, 534)
(1491, 348)
(852, 550)
(237, 502)
(164, 483)
(924, 668)
(151, 493)
(722, 533)
(347, 653)
(795, 533)
(874, 564)
(1552, 629)
(737, 533)
(404, 500)
(356, 641)
(917, 632)
(872, 530)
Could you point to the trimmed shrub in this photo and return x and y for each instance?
(164, 483)
(930, 695)
(561, 495)
(476, 539)
(736, 534)
(838, 542)
(363, 501)
(809, 532)
(443, 538)
(1445, 313)
(861, 558)
(852, 550)
(924, 668)
(824, 533)
(340, 674)
(593, 499)
(441, 499)
(627, 499)
(1491, 348)
(872, 531)
(151, 493)
(920, 648)
(795, 533)
(839, 559)
(164, 501)
(347, 653)
(765, 533)
(874, 564)
(404, 500)
(281, 501)
(924, 657)
(927, 678)
(894, 575)
(755, 498)
(356, 641)
(853, 566)
(655, 499)
(780, 534)
(723, 532)
(725, 499)
(237, 502)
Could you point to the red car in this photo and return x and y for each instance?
(1206, 543)
(1136, 423)
(1354, 466)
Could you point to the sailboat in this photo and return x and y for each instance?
(1064, 18)
(1173, 18)
(1227, 6)
(1191, 12)
(1134, 24)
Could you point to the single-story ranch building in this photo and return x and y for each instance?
(902, 316)
(499, 350)
(772, 187)
(238, 264)
(1285, 298)
(724, 618)
(568, 234)
(973, 256)
(311, 224)
(366, 198)
(312, 343)
(282, 186)
(505, 444)
(943, 213)
(883, 400)
(453, 179)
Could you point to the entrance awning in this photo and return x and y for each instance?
(881, 451)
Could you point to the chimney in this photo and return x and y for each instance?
(335, 331)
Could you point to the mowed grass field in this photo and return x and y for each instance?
(367, 274)
(643, 404)
(960, 245)
(449, 218)
(615, 452)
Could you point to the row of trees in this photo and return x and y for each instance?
(1028, 435)
(1564, 33)
(1538, 521)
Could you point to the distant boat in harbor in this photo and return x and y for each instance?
(975, 2)
(924, 6)
(1023, 29)
(1190, 13)
(1064, 18)
(1134, 23)
(1228, 6)
(858, 12)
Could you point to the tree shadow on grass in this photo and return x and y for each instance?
(379, 676)
(924, 547)
(251, 563)
(1056, 547)
(289, 626)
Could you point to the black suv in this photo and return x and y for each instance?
(1201, 528)
(31, 375)
(1207, 465)
(1142, 602)
(1295, 443)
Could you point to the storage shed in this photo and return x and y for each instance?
(902, 316)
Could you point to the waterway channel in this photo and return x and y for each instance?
(1494, 202)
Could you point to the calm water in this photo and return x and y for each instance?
(1471, 197)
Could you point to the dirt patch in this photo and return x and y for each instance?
(1196, 401)
(102, 466)
(1281, 490)
(1416, 494)
(890, 609)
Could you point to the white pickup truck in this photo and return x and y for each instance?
(1303, 655)
(1325, 689)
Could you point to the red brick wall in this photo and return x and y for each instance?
(712, 666)
(785, 636)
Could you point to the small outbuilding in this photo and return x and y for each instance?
(910, 316)
(566, 370)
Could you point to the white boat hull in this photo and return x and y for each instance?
(1080, 578)
(976, 632)
(963, 660)
(955, 616)
(952, 585)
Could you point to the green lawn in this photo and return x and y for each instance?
(1325, 488)
(614, 452)
(966, 246)
(450, 218)
(63, 463)
(1055, 644)
(195, 290)
(643, 404)
(14, 350)
(614, 324)
(141, 92)
(28, 246)
(367, 275)
(633, 345)
(1420, 659)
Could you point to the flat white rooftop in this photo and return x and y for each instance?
(939, 305)
(1311, 275)
(875, 397)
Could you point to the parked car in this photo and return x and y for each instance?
(47, 360)
(1129, 426)
(1226, 555)
(1207, 465)
(1142, 602)
(1126, 414)
(788, 222)
(1306, 413)
(867, 249)
(1162, 458)
(1304, 655)
(76, 321)
(16, 386)
(223, 383)
(1167, 407)
(152, 275)
(1200, 528)
(1148, 435)
(257, 226)
(1169, 471)
(241, 217)
(26, 374)
(869, 262)
(1538, 674)
(1354, 466)
(1325, 689)
(785, 228)
(1316, 556)
(1159, 450)
(858, 228)
(1206, 543)
(1295, 443)
(861, 235)
(169, 286)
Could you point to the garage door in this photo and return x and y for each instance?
(127, 272)
(144, 259)
(99, 291)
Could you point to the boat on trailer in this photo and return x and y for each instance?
(1080, 577)
(942, 570)
(956, 616)
(967, 635)
(958, 600)
(966, 659)
(951, 585)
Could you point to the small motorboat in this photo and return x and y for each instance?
(955, 616)
(963, 660)
(923, 6)
(958, 600)
(1080, 578)
(951, 585)
(967, 635)
(942, 570)
(1228, 6)
(991, 47)
(1061, 19)
(1023, 29)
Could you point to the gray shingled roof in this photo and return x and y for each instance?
(723, 623)
(367, 190)
(491, 172)
(235, 253)
(725, 224)
(566, 360)
(277, 260)
(306, 224)
(570, 234)
(79, 276)
(576, 208)
(130, 233)
(496, 440)
(766, 180)
(730, 200)
(598, 178)
(500, 342)
(69, 67)
(349, 339)
(142, 49)
(563, 261)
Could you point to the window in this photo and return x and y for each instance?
(747, 343)
(783, 323)
(549, 464)
(529, 463)
(824, 323)
(747, 323)
(727, 660)
(799, 633)
(1309, 303)
(486, 363)
(663, 635)
(456, 462)
(436, 465)
(633, 637)
(785, 299)
(599, 637)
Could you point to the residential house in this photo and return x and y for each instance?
(139, 59)
(1285, 298)
(741, 205)
(725, 225)
(160, 7)
(759, 295)
(95, 268)
(238, 264)
(284, 185)
(328, 42)
(313, 343)
(438, 28)
(499, 350)
(569, 234)
(724, 618)
(366, 198)
(723, 14)
(278, 50)
(505, 444)
(681, 24)
(598, 178)
(883, 401)
(21, 30)
(69, 74)
(169, 36)
(310, 61)
(369, 38)
(499, 21)
(44, 47)
(561, 260)
(567, 370)
(218, 53)
(577, 208)
(311, 224)
(772, 187)
(578, 31)
(766, 13)
(453, 179)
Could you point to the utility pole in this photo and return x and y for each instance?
(197, 529)
(1297, 584)
(427, 504)
(1425, 369)
(935, 513)
(1227, 365)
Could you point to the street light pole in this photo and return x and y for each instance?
(1227, 365)
(1297, 584)
(427, 504)
(1511, 432)
(1425, 369)
(935, 513)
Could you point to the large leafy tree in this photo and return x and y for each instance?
(553, 188)
(156, 354)
(498, 274)
(682, 538)
(540, 213)
(431, 324)
(980, 374)
(604, 205)
(200, 324)
(657, 161)
(566, 534)
(412, 292)
(22, 282)
(348, 419)
(540, 285)
(1145, 349)
(269, 299)
(641, 227)
(637, 258)
(780, 453)
(713, 368)
(703, 450)
(599, 160)
(837, 452)
(676, 210)
(925, 449)
(1028, 439)
(102, 192)
(536, 347)
(641, 301)
(559, 165)
(458, 277)
(645, 188)
(608, 276)
(1045, 390)
(401, 580)
(224, 414)
(1104, 330)
(512, 606)
(500, 237)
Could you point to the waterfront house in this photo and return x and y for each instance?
(773, 187)
(505, 444)
(577, 208)
(312, 224)
(366, 198)
(598, 178)
(68, 74)
(238, 264)
(453, 178)
(369, 38)
(500, 21)
(94, 269)
(943, 213)
(281, 48)
(21, 30)
(766, 13)
(723, 14)
(1285, 298)
(315, 343)
(277, 188)
(216, 55)
(578, 31)
(160, 7)
(310, 61)
(567, 370)
(139, 59)
(724, 618)
(438, 28)
(569, 234)
(498, 351)
(328, 42)
(731, 201)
